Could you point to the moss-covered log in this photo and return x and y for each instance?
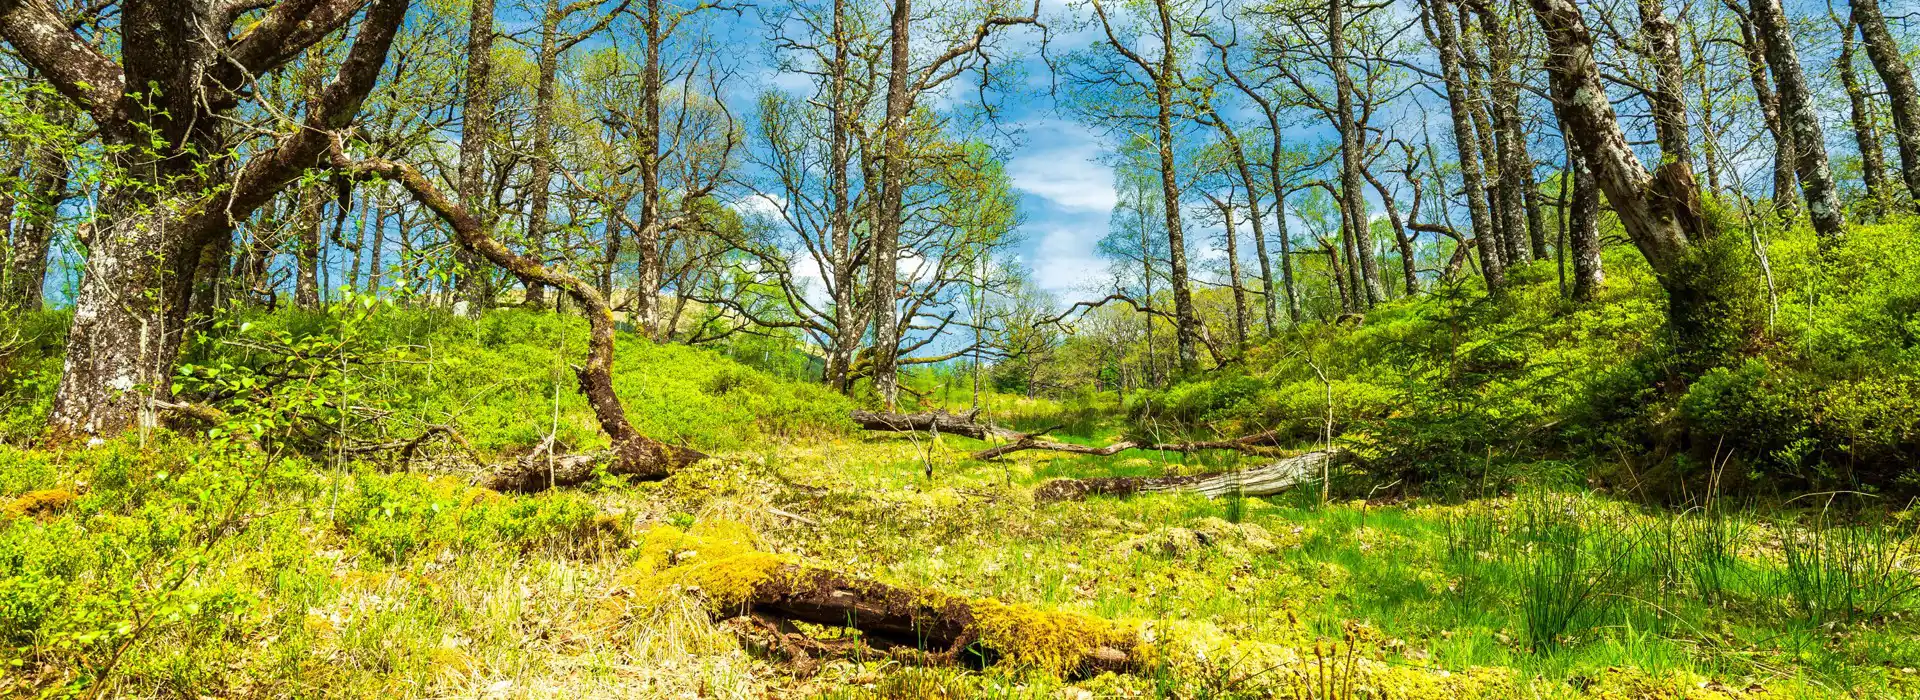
(1265, 480)
(1258, 443)
(545, 468)
(936, 421)
(719, 562)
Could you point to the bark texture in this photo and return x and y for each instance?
(1442, 33)
(1754, 46)
(1797, 115)
(1866, 133)
(476, 135)
(1903, 98)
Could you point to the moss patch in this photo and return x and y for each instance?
(1054, 642)
(719, 560)
(41, 503)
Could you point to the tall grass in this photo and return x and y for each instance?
(1576, 558)
(1845, 573)
(1711, 539)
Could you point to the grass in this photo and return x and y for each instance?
(166, 565)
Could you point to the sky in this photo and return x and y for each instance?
(1055, 163)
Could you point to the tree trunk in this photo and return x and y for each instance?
(377, 251)
(539, 184)
(647, 235)
(1888, 60)
(914, 626)
(34, 217)
(611, 258)
(1280, 229)
(1754, 45)
(1466, 142)
(848, 327)
(1583, 231)
(1797, 114)
(1519, 222)
(1866, 134)
(936, 422)
(306, 252)
(1186, 326)
(1267, 480)
(886, 240)
(1234, 282)
(476, 135)
(1353, 147)
(1245, 171)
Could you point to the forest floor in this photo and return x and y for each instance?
(362, 584)
(199, 565)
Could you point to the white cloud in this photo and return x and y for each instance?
(1060, 163)
(1065, 259)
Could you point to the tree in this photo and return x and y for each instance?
(1658, 209)
(1162, 80)
(1797, 115)
(1442, 34)
(1904, 99)
(179, 177)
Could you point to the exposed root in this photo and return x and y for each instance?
(545, 468)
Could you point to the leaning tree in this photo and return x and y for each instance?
(168, 84)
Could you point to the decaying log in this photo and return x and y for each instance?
(1258, 443)
(212, 417)
(1265, 480)
(941, 421)
(546, 468)
(719, 564)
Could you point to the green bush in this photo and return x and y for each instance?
(1811, 380)
(504, 380)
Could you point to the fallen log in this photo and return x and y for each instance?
(941, 421)
(1257, 443)
(1265, 480)
(717, 561)
(545, 468)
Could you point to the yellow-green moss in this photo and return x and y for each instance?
(42, 502)
(717, 559)
(1054, 642)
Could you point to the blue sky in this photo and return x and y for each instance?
(1054, 162)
